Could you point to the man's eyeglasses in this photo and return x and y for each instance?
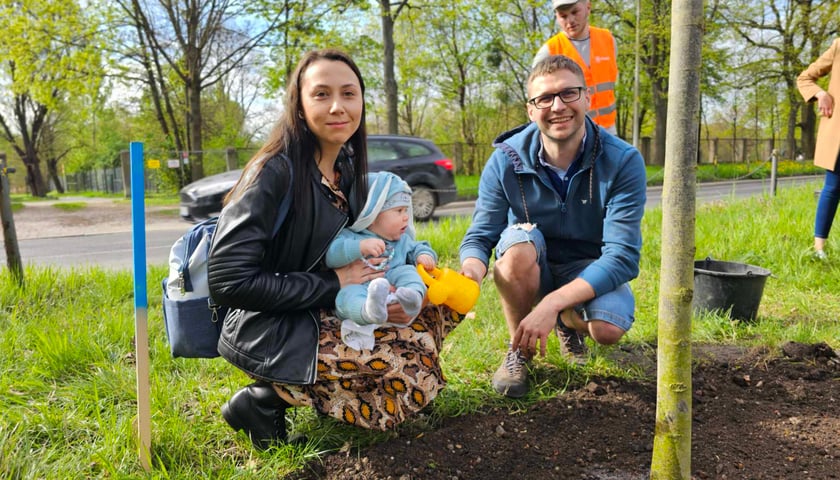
(568, 95)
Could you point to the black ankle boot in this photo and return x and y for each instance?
(259, 411)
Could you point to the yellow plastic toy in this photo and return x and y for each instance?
(450, 288)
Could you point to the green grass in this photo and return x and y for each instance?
(70, 206)
(67, 389)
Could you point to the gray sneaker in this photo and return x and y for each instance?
(511, 378)
(572, 343)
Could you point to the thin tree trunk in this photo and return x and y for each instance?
(791, 130)
(660, 112)
(672, 441)
(52, 173)
(391, 95)
(809, 128)
(7, 219)
(196, 140)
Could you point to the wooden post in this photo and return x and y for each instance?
(141, 305)
(13, 260)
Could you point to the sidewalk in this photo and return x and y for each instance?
(45, 219)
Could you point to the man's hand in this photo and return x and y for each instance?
(474, 269)
(533, 329)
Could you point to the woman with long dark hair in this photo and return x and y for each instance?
(281, 329)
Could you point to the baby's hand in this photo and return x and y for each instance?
(427, 261)
(372, 247)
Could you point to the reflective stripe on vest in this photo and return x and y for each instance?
(600, 75)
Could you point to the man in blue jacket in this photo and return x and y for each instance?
(561, 200)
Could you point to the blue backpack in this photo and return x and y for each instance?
(192, 319)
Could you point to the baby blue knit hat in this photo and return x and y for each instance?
(385, 191)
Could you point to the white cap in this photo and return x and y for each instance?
(562, 3)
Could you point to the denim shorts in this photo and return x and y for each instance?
(616, 307)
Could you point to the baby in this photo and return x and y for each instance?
(383, 231)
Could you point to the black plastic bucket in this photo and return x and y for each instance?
(728, 286)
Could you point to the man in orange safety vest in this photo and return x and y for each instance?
(594, 49)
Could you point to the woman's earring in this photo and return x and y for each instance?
(300, 114)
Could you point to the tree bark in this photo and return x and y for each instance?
(809, 129)
(654, 56)
(391, 94)
(672, 440)
(10, 242)
(52, 174)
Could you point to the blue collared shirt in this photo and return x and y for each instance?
(558, 176)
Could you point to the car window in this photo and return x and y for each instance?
(381, 151)
(412, 149)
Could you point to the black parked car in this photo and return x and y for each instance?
(417, 161)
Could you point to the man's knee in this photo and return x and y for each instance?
(519, 261)
(605, 333)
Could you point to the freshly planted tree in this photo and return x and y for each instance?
(672, 442)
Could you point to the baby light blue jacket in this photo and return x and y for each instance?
(600, 219)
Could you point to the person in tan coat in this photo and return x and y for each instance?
(828, 137)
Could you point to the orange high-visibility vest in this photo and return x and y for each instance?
(600, 75)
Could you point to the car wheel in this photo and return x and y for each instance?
(422, 202)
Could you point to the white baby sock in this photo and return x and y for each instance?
(411, 300)
(376, 307)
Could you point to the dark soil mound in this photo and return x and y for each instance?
(756, 416)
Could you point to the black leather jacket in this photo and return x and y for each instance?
(275, 286)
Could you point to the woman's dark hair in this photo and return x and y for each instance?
(291, 136)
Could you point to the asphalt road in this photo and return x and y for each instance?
(115, 251)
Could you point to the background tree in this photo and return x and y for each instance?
(48, 50)
(654, 53)
(516, 29)
(388, 13)
(459, 56)
(185, 47)
(672, 441)
(782, 37)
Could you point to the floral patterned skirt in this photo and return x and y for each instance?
(381, 387)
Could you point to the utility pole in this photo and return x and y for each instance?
(10, 242)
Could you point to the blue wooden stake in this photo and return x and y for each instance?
(141, 304)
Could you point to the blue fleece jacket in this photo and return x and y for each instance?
(600, 219)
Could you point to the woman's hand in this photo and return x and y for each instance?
(397, 315)
(356, 273)
(825, 103)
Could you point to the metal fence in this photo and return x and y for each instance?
(108, 180)
(468, 159)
